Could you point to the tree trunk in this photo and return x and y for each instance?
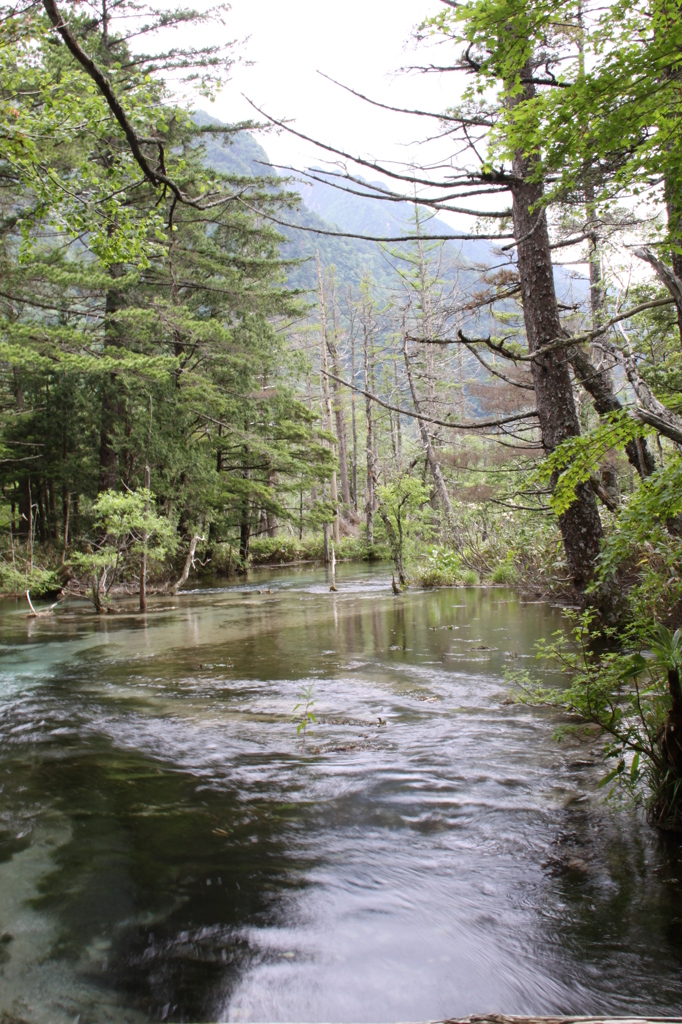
(52, 519)
(244, 533)
(325, 531)
(112, 401)
(369, 450)
(580, 525)
(40, 501)
(24, 508)
(598, 384)
(395, 542)
(143, 566)
(67, 510)
(327, 408)
(399, 439)
(271, 523)
(441, 489)
(219, 451)
(189, 562)
(339, 412)
(353, 421)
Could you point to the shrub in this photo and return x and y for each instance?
(266, 550)
(287, 549)
(632, 695)
(444, 568)
(37, 580)
(505, 573)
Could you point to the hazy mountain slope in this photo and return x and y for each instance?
(374, 216)
(241, 154)
(329, 208)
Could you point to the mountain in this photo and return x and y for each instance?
(328, 207)
(357, 208)
(241, 154)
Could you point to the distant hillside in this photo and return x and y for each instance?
(374, 216)
(330, 208)
(243, 155)
(336, 202)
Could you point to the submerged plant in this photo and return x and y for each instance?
(303, 713)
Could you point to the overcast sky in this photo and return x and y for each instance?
(360, 43)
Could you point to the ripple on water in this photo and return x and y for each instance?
(170, 847)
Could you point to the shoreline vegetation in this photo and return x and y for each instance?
(498, 555)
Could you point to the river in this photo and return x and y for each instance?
(172, 849)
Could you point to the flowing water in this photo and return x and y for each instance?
(172, 849)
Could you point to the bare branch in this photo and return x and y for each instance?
(575, 339)
(496, 177)
(403, 110)
(411, 414)
(498, 373)
(387, 196)
(374, 238)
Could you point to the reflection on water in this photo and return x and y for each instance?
(169, 852)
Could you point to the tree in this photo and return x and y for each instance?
(129, 528)
(494, 50)
(401, 506)
(125, 294)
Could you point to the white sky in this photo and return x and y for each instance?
(360, 43)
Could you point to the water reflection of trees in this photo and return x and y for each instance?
(152, 894)
(612, 901)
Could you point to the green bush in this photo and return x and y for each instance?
(224, 559)
(445, 568)
(624, 691)
(266, 550)
(505, 573)
(287, 549)
(37, 580)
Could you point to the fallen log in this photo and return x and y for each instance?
(33, 614)
(189, 563)
(501, 1018)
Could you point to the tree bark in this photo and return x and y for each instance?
(112, 403)
(352, 411)
(395, 542)
(189, 562)
(580, 525)
(327, 408)
(245, 523)
(143, 566)
(67, 511)
(369, 450)
(339, 412)
(598, 384)
(244, 533)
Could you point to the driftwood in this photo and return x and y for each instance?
(333, 586)
(33, 614)
(189, 563)
(500, 1018)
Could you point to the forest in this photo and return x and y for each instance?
(209, 364)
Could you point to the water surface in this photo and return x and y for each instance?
(171, 848)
